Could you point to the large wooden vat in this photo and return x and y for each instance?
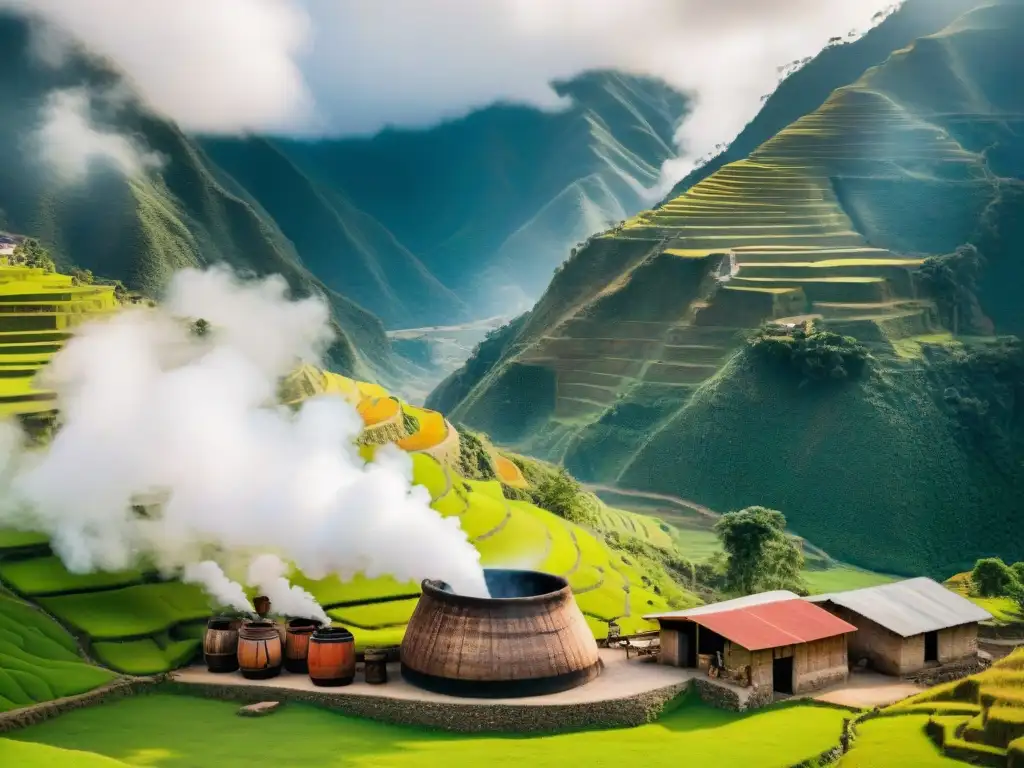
(220, 644)
(259, 650)
(296, 644)
(528, 639)
(332, 656)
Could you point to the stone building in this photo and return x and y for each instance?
(773, 640)
(907, 626)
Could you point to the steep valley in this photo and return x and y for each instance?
(633, 368)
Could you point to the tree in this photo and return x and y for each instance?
(1018, 572)
(760, 554)
(559, 493)
(952, 279)
(200, 328)
(991, 577)
(82, 276)
(31, 253)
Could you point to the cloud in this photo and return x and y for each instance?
(342, 67)
(69, 142)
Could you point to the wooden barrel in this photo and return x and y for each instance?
(375, 666)
(259, 650)
(262, 605)
(296, 644)
(220, 645)
(332, 656)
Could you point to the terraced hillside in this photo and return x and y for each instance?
(975, 721)
(627, 369)
(38, 309)
(134, 623)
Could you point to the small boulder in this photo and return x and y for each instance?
(259, 709)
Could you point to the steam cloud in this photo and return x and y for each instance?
(188, 427)
(353, 67)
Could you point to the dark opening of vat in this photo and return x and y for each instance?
(302, 623)
(221, 623)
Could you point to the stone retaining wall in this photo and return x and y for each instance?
(947, 673)
(37, 713)
(464, 717)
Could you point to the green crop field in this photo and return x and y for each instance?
(146, 657)
(976, 720)
(842, 578)
(39, 661)
(47, 576)
(132, 611)
(895, 742)
(135, 732)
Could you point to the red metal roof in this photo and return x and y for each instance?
(771, 625)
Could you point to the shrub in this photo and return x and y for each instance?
(952, 280)
(992, 577)
(474, 460)
(814, 356)
(560, 493)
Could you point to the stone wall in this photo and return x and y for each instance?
(958, 643)
(37, 713)
(718, 696)
(465, 717)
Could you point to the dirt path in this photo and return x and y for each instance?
(677, 501)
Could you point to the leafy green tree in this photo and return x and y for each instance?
(992, 577)
(31, 253)
(82, 276)
(952, 280)
(560, 493)
(760, 554)
(1018, 572)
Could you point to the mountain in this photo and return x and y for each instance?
(178, 212)
(467, 219)
(634, 368)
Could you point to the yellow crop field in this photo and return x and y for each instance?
(376, 410)
(509, 473)
(433, 430)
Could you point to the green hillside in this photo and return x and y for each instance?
(626, 370)
(468, 218)
(39, 661)
(135, 623)
(179, 213)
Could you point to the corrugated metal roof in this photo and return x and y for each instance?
(909, 607)
(726, 605)
(772, 623)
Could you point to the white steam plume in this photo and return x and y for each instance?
(268, 572)
(189, 425)
(211, 577)
(69, 142)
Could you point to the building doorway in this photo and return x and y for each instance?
(782, 675)
(688, 645)
(931, 647)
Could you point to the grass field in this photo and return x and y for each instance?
(47, 575)
(843, 578)
(39, 661)
(162, 731)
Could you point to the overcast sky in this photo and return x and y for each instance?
(342, 67)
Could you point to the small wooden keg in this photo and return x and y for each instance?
(296, 644)
(375, 666)
(262, 605)
(332, 657)
(220, 644)
(259, 650)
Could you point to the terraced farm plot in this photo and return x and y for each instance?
(37, 311)
(332, 591)
(146, 657)
(378, 410)
(376, 615)
(41, 576)
(12, 539)
(132, 611)
(39, 660)
(433, 429)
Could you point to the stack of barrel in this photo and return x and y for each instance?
(256, 648)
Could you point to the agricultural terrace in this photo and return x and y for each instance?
(134, 732)
(978, 720)
(38, 310)
(135, 624)
(39, 660)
